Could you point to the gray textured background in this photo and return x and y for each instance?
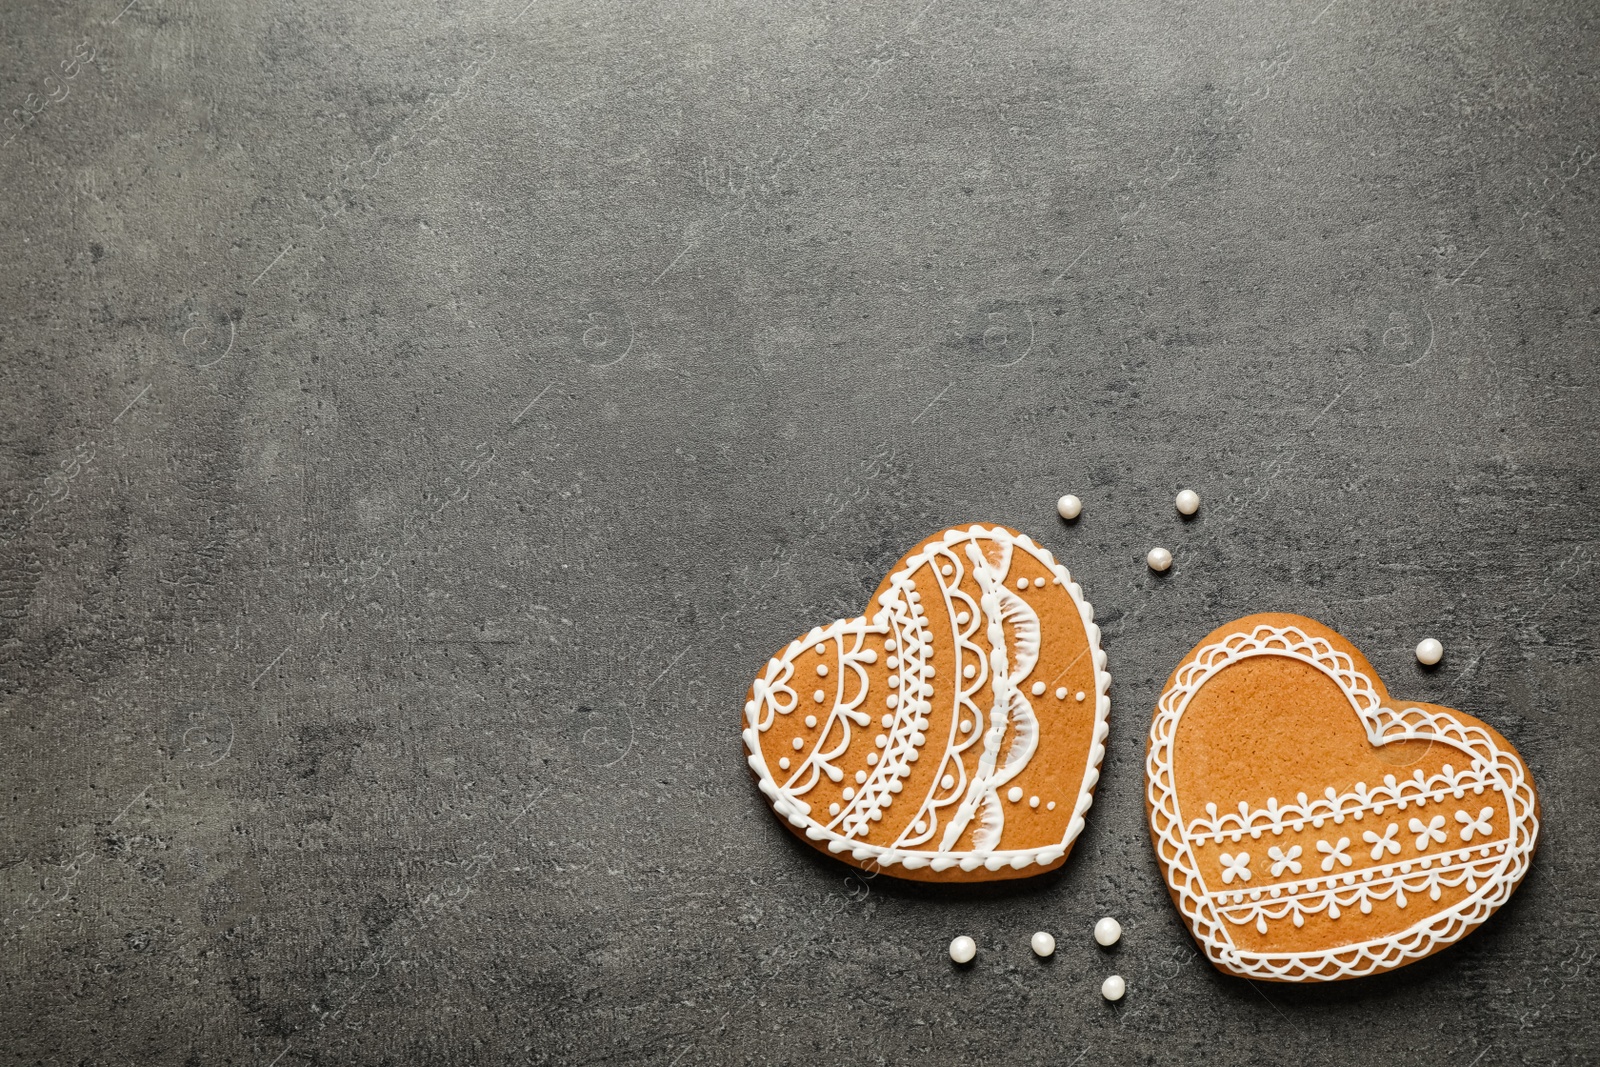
(422, 419)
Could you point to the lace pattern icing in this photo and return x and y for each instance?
(1489, 867)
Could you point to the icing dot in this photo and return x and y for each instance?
(966, 726)
(1038, 583)
(1114, 988)
(819, 696)
(1050, 806)
(849, 794)
(798, 744)
(872, 759)
(890, 701)
(833, 809)
(969, 670)
(892, 662)
(1038, 689)
(894, 681)
(947, 781)
(1188, 502)
(783, 764)
(920, 826)
(947, 570)
(822, 669)
(887, 721)
(821, 649)
(889, 645)
(1429, 651)
(1159, 559)
(1044, 944)
(1061, 694)
(880, 740)
(861, 777)
(1107, 932)
(1081, 696)
(963, 949)
(1014, 794)
(961, 618)
(1033, 802)
(811, 721)
(1022, 583)
(1069, 507)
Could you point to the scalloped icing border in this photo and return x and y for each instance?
(917, 859)
(1382, 725)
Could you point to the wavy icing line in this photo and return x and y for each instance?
(1382, 725)
(1336, 807)
(770, 690)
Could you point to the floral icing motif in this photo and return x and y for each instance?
(1433, 831)
(1387, 841)
(1335, 853)
(1235, 867)
(1281, 859)
(1471, 826)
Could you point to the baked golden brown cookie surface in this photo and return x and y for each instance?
(1312, 829)
(953, 733)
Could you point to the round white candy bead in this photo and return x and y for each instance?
(1159, 559)
(1113, 988)
(1188, 502)
(963, 948)
(1069, 507)
(1107, 932)
(1430, 651)
(1044, 944)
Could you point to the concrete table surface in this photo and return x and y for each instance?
(421, 420)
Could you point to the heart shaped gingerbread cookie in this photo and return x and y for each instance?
(954, 733)
(1310, 828)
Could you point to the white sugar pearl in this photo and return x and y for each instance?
(1113, 988)
(1159, 559)
(1069, 507)
(1107, 932)
(1188, 502)
(1044, 944)
(1038, 689)
(1014, 794)
(963, 948)
(1430, 651)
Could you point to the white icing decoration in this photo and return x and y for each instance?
(1012, 632)
(1033, 801)
(1014, 794)
(1038, 689)
(1107, 932)
(822, 670)
(819, 696)
(811, 721)
(1489, 870)
(1061, 693)
(1081, 696)
(783, 763)
(1236, 867)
